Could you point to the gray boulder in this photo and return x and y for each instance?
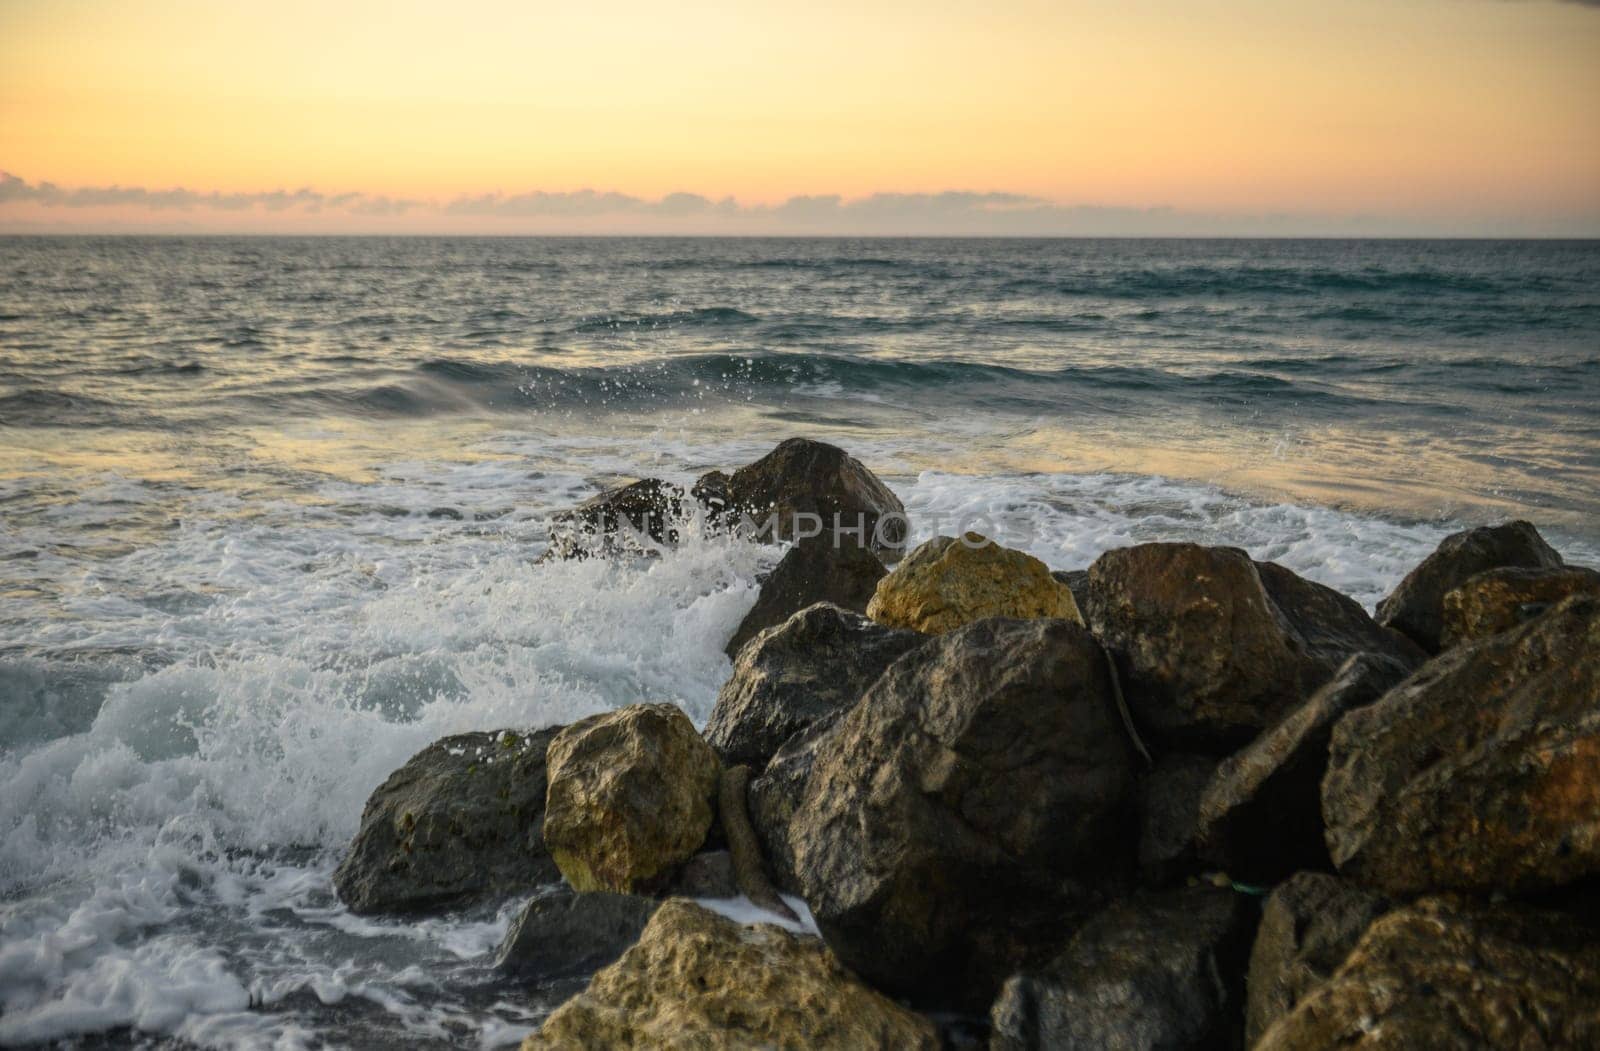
(566, 933)
(812, 571)
(1169, 810)
(628, 519)
(802, 478)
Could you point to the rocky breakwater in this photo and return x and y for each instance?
(1205, 803)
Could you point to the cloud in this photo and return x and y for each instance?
(48, 194)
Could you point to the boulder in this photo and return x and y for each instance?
(1500, 599)
(1169, 809)
(565, 933)
(1213, 647)
(458, 823)
(629, 798)
(709, 874)
(1077, 582)
(973, 804)
(803, 486)
(1445, 973)
(946, 583)
(1162, 970)
(1260, 816)
(812, 571)
(1416, 607)
(627, 519)
(1478, 773)
(1309, 924)
(699, 981)
(776, 794)
(816, 662)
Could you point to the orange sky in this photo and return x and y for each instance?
(1447, 116)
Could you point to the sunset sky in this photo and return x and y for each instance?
(1456, 117)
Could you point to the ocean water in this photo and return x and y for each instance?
(269, 510)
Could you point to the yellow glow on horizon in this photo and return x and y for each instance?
(1435, 107)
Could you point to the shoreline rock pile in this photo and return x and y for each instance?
(1183, 798)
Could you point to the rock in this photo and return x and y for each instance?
(1213, 647)
(1260, 816)
(1077, 582)
(946, 583)
(458, 823)
(811, 571)
(974, 802)
(1309, 924)
(564, 933)
(627, 519)
(749, 869)
(629, 797)
(1162, 970)
(709, 874)
(1416, 607)
(1169, 809)
(699, 981)
(1445, 973)
(776, 794)
(818, 661)
(1500, 599)
(804, 486)
(1478, 773)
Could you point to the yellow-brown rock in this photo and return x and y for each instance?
(629, 798)
(947, 583)
(1502, 599)
(697, 980)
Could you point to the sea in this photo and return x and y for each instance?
(271, 511)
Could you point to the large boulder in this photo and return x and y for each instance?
(1169, 812)
(1309, 924)
(804, 485)
(973, 804)
(815, 662)
(1448, 974)
(697, 981)
(1416, 606)
(458, 823)
(1479, 772)
(812, 571)
(1260, 816)
(1500, 599)
(1213, 647)
(1157, 971)
(775, 796)
(633, 518)
(947, 582)
(565, 933)
(630, 797)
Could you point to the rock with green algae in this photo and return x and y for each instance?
(946, 583)
(699, 981)
(629, 798)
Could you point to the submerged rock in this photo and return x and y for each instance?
(699, 981)
(458, 823)
(1214, 647)
(566, 933)
(946, 583)
(1479, 772)
(1416, 606)
(812, 571)
(629, 798)
(1157, 971)
(818, 661)
(1501, 599)
(1309, 924)
(973, 804)
(805, 486)
(1443, 973)
(629, 518)
(1260, 816)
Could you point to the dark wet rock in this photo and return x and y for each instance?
(566, 933)
(1160, 970)
(710, 491)
(709, 874)
(812, 571)
(1501, 599)
(1077, 582)
(446, 512)
(628, 519)
(1169, 806)
(1416, 607)
(775, 795)
(1260, 816)
(1309, 924)
(1446, 973)
(1213, 647)
(817, 661)
(974, 803)
(458, 823)
(808, 478)
(1478, 773)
